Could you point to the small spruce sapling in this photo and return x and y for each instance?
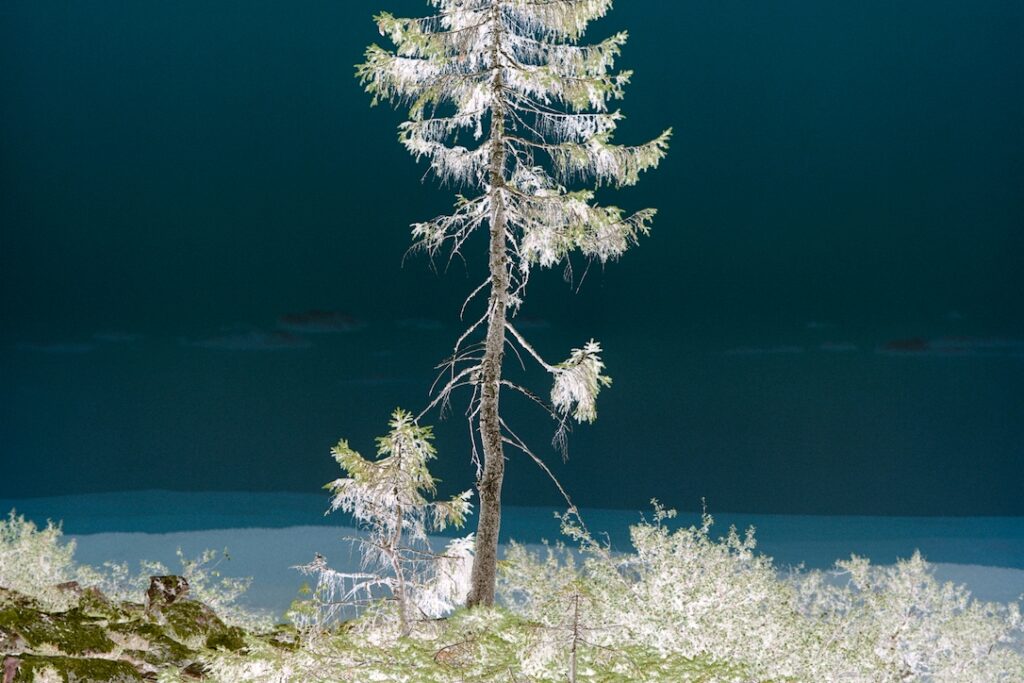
(390, 498)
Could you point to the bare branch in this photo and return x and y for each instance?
(519, 356)
(443, 394)
(533, 397)
(514, 441)
(529, 349)
(472, 295)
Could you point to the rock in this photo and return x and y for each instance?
(11, 664)
(12, 598)
(93, 603)
(164, 591)
(194, 671)
(148, 642)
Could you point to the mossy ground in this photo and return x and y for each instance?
(97, 639)
(71, 632)
(76, 670)
(192, 621)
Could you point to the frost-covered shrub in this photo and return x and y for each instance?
(900, 623)
(681, 594)
(33, 561)
(685, 596)
(682, 607)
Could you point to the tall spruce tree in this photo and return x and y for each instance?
(505, 103)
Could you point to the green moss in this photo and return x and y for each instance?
(96, 624)
(71, 632)
(231, 638)
(190, 619)
(78, 670)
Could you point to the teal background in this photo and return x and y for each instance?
(842, 174)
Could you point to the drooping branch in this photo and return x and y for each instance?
(546, 407)
(445, 391)
(579, 381)
(514, 441)
(471, 296)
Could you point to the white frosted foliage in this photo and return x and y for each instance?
(680, 606)
(578, 381)
(475, 64)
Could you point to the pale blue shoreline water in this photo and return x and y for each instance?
(816, 541)
(268, 533)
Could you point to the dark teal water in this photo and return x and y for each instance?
(826, 319)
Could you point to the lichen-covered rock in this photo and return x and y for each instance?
(190, 619)
(283, 637)
(13, 598)
(91, 602)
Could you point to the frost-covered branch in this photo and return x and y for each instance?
(578, 381)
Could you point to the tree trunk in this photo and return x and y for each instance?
(396, 566)
(489, 487)
(485, 561)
